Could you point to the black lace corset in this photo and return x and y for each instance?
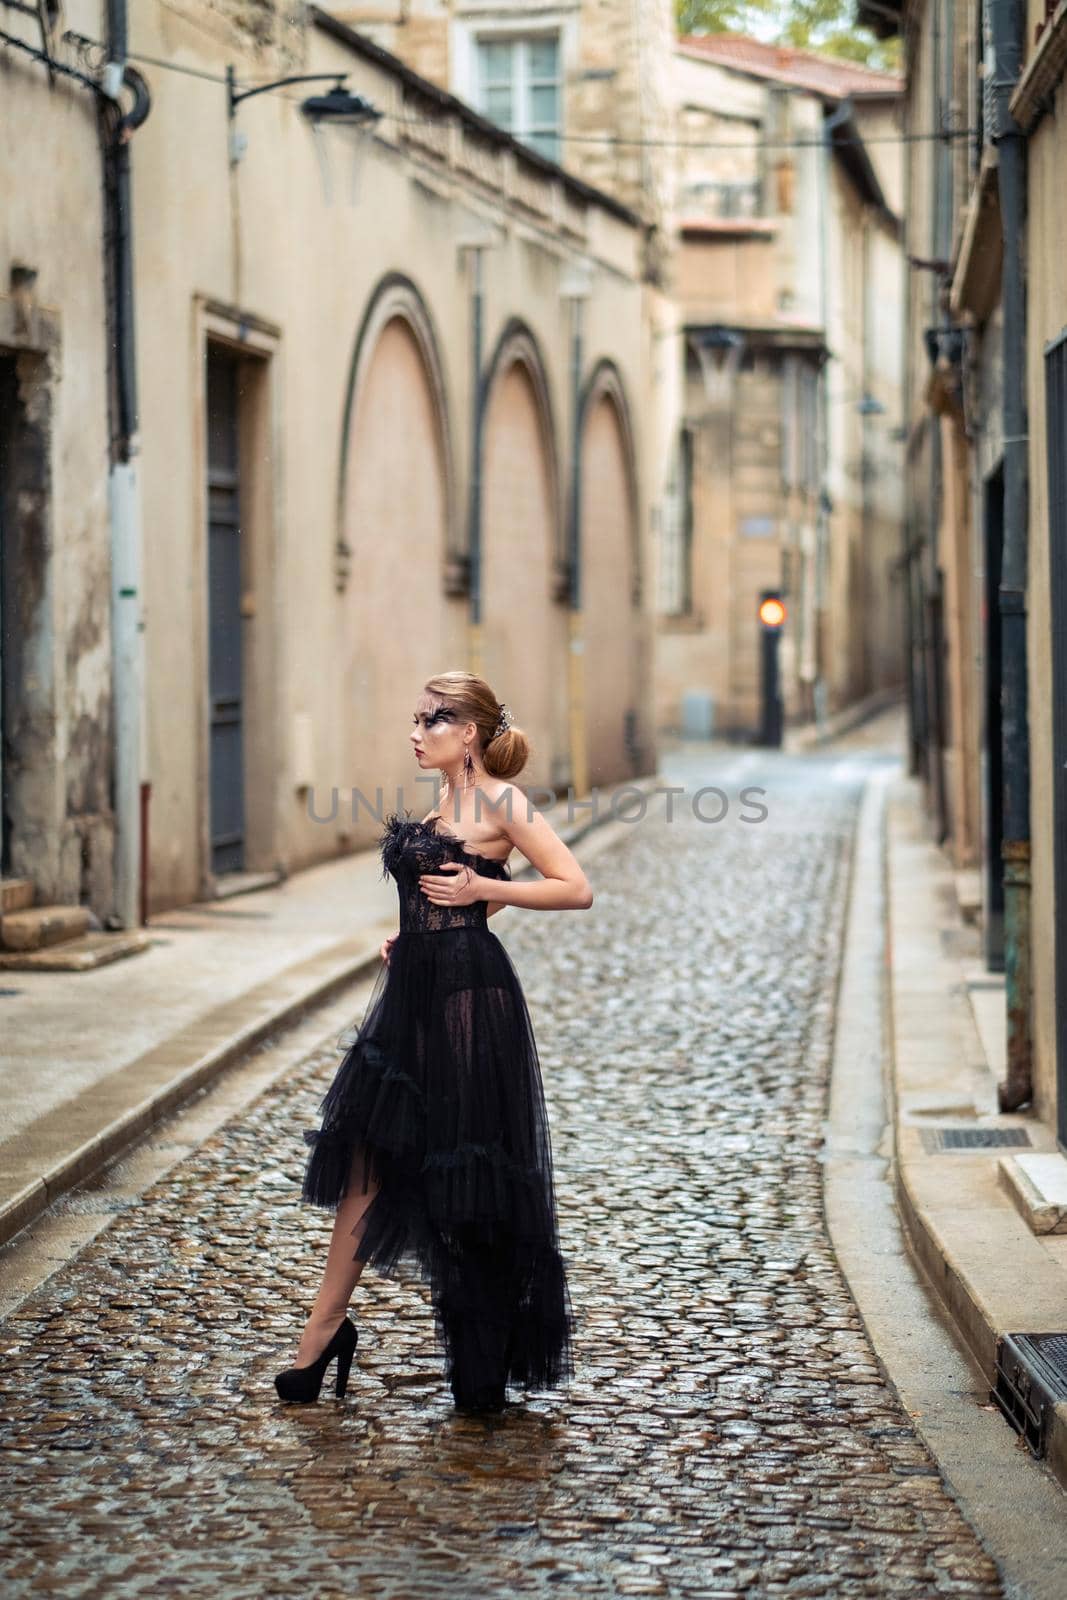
(410, 847)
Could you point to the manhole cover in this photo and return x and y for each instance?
(935, 1139)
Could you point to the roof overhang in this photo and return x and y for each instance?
(732, 228)
(801, 339)
(450, 104)
(882, 17)
(1043, 72)
(764, 72)
(847, 144)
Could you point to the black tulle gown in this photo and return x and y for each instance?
(439, 1099)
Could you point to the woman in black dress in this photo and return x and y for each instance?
(434, 1142)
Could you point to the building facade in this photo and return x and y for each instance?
(1037, 97)
(56, 427)
(585, 83)
(987, 492)
(389, 398)
(786, 477)
(576, 324)
(773, 284)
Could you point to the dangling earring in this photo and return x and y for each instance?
(468, 767)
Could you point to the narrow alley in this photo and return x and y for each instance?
(728, 1431)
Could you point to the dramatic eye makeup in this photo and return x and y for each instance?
(443, 713)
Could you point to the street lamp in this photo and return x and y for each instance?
(339, 105)
(772, 616)
(719, 351)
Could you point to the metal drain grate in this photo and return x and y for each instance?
(1031, 1375)
(91, 1204)
(935, 1139)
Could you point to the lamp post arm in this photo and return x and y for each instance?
(236, 96)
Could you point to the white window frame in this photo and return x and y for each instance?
(470, 31)
(521, 85)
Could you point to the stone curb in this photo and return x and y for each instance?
(118, 1110)
(810, 735)
(183, 1065)
(961, 1293)
(992, 1274)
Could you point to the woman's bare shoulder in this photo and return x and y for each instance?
(509, 803)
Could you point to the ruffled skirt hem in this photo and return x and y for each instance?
(438, 1104)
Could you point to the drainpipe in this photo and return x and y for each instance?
(870, 653)
(822, 544)
(907, 558)
(477, 420)
(124, 503)
(575, 287)
(932, 597)
(1005, 20)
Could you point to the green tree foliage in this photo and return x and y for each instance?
(720, 16)
(825, 26)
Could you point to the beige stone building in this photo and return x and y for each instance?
(55, 430)
(575, 329)
(1039, 94)
(987, 493)
(772, 303)
(584, 82)
(786, 463)
(944, 558)
(390, 384)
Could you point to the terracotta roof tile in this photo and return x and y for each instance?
(822, 75)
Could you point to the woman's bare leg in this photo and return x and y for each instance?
(342, 1271)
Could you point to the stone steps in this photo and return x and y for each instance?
(16, 894)
(82, 954)
(38, 926)
(57, 938)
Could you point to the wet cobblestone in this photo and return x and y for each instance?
(728, 1432)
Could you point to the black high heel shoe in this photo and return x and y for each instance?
(303, 1383)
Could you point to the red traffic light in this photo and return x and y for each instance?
(772, 613)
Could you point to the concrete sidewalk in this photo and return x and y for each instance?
(947, 1040)
(93, 1060)
(964, 1208)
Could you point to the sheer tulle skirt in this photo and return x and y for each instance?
(439, 1100)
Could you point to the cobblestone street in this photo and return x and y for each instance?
(728, 1431)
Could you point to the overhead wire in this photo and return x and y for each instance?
(616, 140)
(49, 61)
(611, 141)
